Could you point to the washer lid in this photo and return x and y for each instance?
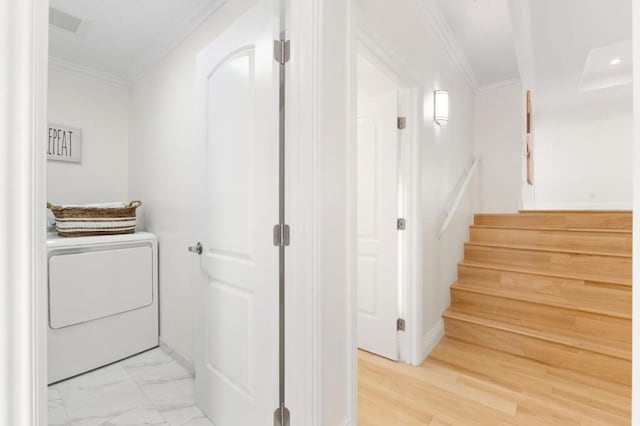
(56, 241)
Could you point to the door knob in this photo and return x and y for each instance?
(196, 249)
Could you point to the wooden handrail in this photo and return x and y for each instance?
(454, 207)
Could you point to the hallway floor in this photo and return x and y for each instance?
(147, 389)
(464, 384)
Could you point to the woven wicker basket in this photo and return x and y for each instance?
(88, 221)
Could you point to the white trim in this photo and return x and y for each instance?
(304, 310)
(177, 356)
(39, 218)
(444, 33)
(162, 46)
(432, 338)
(497, 85)
(414, 300)
(23, 114)
(81, 71)
(351, 217)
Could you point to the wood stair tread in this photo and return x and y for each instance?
(559, 219)
(545, 249)
(538, 298)
(540, 228)
(610, 348)
(534, 271)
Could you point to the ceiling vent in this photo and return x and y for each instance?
(63, 20)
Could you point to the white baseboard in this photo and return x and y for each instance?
(180, 359)
(432, 338)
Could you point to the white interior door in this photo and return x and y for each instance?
(377, 188)
(236, 354)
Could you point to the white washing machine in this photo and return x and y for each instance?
(103, 300)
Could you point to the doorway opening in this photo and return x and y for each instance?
(387, 266)
(134, 337)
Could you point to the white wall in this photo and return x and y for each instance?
(583, 158)
(497, 136)
(446, 150)
(101, 111)
(165, 171)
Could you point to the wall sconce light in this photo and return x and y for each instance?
(441, 107)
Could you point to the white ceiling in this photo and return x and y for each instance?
(483, 31)
(120, 40)
(573, 43)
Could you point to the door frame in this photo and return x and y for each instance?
(26, 390)
(410, 266)
(23, 249)
(364, 40)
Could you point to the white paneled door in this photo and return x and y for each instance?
(237, 340)
(377, 188)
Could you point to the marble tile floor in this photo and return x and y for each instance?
(147, 389)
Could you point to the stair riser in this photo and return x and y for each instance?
(594, 364)
(609, 220)
(586, 327)
(597, 268)
(566, 292)
(568, 240)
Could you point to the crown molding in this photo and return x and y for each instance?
(185, 26)
(82, 71)
(444, 33)
(497, 85)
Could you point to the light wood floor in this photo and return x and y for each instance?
(466, 384)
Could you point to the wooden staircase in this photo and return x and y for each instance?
(550, 286)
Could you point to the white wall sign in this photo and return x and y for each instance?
(65, 143)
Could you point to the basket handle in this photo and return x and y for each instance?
(51, 206)
(135, 204)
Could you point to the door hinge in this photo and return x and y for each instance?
(281, 235)
(281, 416)
(402, 122)
(281, 51)
(400, 325)
(402, 224)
